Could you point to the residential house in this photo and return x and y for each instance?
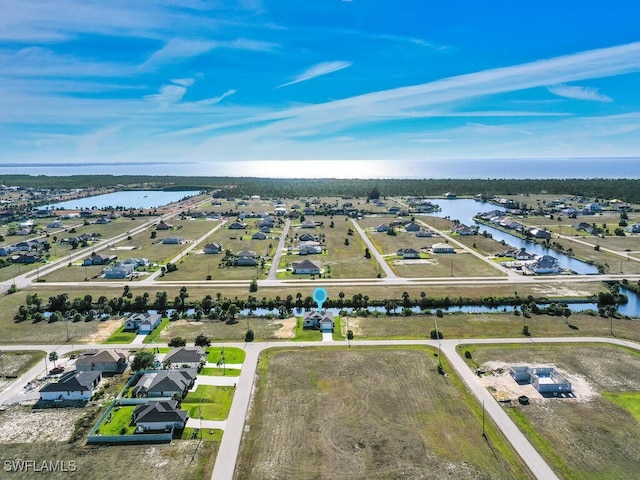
(279, 211)
(162, 225)
(95, 259)
(539, 233)
(73, 385)
(424, 233)
(27, 258)
(306, 237)
(106, 361)
(165, 383)
(119, 270)
(238, 226)
(213, 248)
(442, 248)
(159, 416)
(592, 208)
(383, 227)
(259, 236)
(309, 211)
(320, 320)
(412, 227)
(142, 322)
(185, 357)
(408, 253)
(305, 267)
(56, 224)
(102, 221)
(462, 229)
(545, 264)
(172, 241)
(309, 249)
(7, 250)
(523, 255)
(308, 224)
(246, 258)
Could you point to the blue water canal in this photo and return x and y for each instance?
(465, 209)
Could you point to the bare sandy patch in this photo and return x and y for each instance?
(287, 328)
(353, 325)
(504, 388)
(104, 331)
(417, 261)
(561, 291)
(24, 425)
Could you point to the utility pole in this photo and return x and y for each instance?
(483, 432)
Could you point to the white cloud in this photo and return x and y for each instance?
(168, 94)
(579, 93)
(318, 70)
(215, 100)
(184, 82)
(176, 49)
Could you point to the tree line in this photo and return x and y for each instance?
(604, 188)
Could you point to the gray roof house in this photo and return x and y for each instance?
(112, 361)
(305, 267)
(96, 259)
(159, 415)
(172, 240)
(73, 385)
(212, 248)
(412, 227)
(408, 253)
(164, 383)
(142, 322)
(321, 320)
(185, 357)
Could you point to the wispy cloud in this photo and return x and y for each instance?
(215, 100)
(404, 102)
(176, 49)
(579, 93)
(168, 94)
(318, 70)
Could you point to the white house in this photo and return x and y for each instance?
(73, 385)
(442, 248)
(142, 322)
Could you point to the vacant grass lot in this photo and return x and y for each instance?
(16, 363)
(179, 460)
(590, 439)
(489, 325)
(264, 329)
(366, 413)
(231, 354)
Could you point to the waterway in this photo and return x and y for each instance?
(465, 209)
(126, 199)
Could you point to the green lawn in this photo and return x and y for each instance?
(120, 418)
(231, 355)
(207, 434)
(306, 335)
(214, 402)
(219, 372)
(630, 401)
(120, 336)
(153, 336)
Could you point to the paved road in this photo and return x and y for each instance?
(389, 273)
(276, 258)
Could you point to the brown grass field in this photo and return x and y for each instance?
(366, 413)
(582, 438)
(490, 325)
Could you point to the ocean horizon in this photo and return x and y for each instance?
(504, 168)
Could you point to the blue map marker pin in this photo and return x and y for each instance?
(320, 295)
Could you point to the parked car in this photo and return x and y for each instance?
(56, 370)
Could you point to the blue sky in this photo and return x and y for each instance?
(219, 81)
